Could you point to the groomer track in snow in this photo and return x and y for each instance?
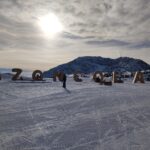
(85, 116)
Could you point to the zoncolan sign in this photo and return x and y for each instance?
(98, 76)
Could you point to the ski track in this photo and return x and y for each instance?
(85, 116)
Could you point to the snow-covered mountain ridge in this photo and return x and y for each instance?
(89, 64)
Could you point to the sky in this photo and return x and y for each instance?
(41, 34)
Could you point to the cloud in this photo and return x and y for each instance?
(109, 43)
(141, 45)
(98, 23)
(99, 18)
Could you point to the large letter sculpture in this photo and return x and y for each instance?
(58, 75)
(116, 78)
(138, 77)
(17, 75)
(37, 75)
(76, 77)
(98, 77)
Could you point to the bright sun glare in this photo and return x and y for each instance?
(50, 24)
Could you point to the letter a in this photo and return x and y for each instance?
(138, 77)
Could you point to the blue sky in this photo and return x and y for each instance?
(108, 28)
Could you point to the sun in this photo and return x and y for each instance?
(50, 24)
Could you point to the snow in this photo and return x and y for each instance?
(85, 116)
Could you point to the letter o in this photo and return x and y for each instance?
(37, 75)
(98, 79)
(76, 77)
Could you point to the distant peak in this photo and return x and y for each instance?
(90, 64)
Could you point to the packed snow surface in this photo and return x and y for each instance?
(85, 116)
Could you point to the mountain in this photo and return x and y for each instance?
(89, 64)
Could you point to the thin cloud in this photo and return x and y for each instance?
(108, 43)
(88, 24)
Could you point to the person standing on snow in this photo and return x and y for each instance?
(64, 80)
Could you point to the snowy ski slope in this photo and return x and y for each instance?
(85, 116)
